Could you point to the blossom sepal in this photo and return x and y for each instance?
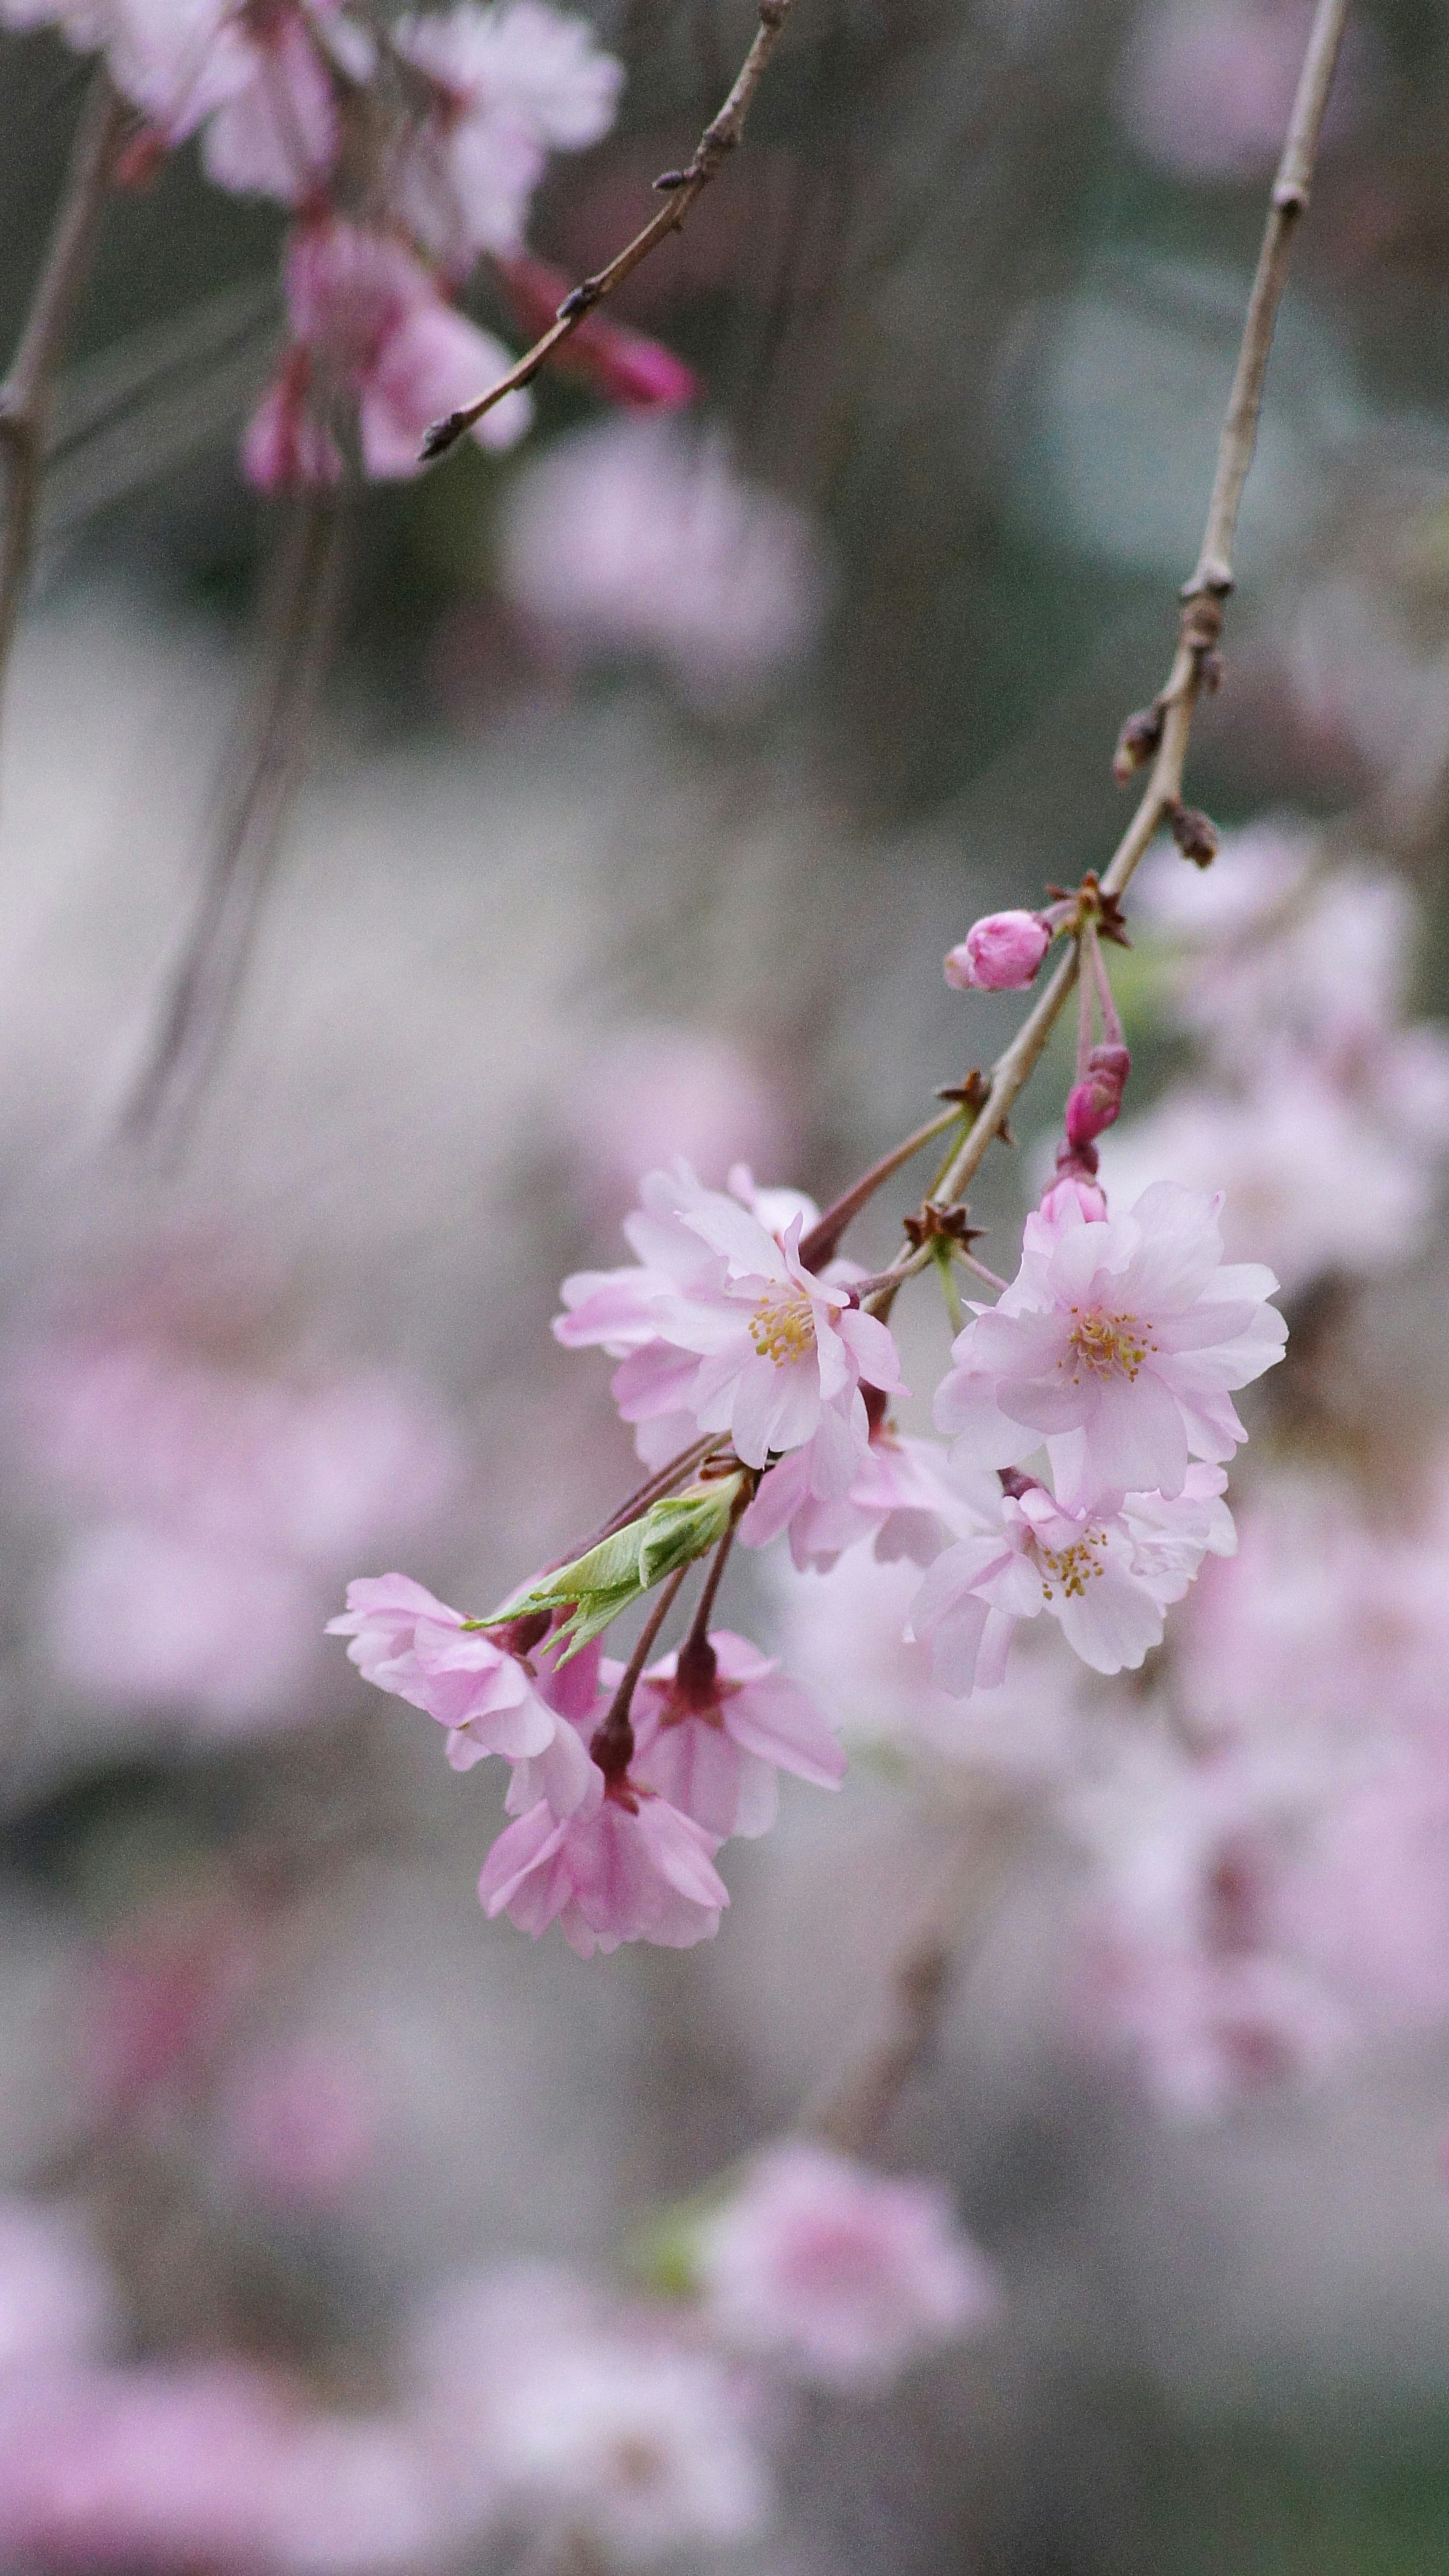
(627, 1564)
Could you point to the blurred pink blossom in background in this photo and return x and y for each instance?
(640, 536)
(842, 2275)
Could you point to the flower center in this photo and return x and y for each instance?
(1108, 1345)
(782, 1326)
(1072, 1568)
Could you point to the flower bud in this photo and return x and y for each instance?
(1195, 834)
(1000, 953)
(1074, 1187)
(1096, 1102)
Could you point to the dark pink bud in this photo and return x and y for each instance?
(623, 365)
(1096, 1102)
(1000, 953)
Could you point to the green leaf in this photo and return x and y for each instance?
(605, 1579)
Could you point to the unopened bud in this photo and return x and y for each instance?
(1000, 953)
(1195, 834)
(1076, 1187)
(1137, 743)
(1096, 1102)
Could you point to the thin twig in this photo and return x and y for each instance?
(822, 1241)
(720, 137)
(1203, 595)
(301, 629)
(852, 2112)
(25, 397)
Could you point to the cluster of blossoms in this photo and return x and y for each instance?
(523, 2407)
(407, 151)
(1313, 1098)
(1090, 1419)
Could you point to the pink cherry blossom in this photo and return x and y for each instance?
(1310, 1178)
(626, 1866)
(573, 2416)
(711, 1740)
(479, 1688)
(1205, 2030)
(1000, 953)
(1119, 1340)
(722, 1324)
(299, 2125)
(1208, 83)
(177, 60)
(899, 1493)
(276, 134)
(285, 446)
(1106, 1573)
(177, 2467)
(844, 1632)
(58, 2303)
(839, 2274)
(512, 82)
(638, 536)
(378, 332)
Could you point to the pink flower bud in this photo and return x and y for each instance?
(1096, 1103)
(1000, 953)
(1074, 1188)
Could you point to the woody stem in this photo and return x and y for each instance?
(612, 1746)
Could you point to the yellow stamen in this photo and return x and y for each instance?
(1107, 1345)
(1072, 1567)
(782, 1326)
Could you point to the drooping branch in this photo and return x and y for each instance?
(296, 654)
(1167, 725)
(853, 2111)
(25, 396)
(720, 138)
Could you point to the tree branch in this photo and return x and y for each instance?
(25, 397)
(720, 137)
(1201, 621)
(302, 625)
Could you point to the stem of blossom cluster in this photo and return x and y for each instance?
(612, 1744)
(1203, 594)
(720, 137)
(25, 397)
(823, 1240)
(1106, 1000)
(649, 1492)
(697, 1659)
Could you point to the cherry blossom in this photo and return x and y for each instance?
(845, 1633)
(625, 1866)
(276, 133)
(1208, 83)
(175, 2467)
(1119, 1340)
(376, 330)
(901, 1495)
(623, 365)
(299, 2125)
(1106, 1572)
(1310, 1179)
(511, 83)
(711, 1738)
(722, 1324)
(57, 2300)
(487, 1696)
(640, 537)
(566, 2415)
(1000, 953)
(838, 2273)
